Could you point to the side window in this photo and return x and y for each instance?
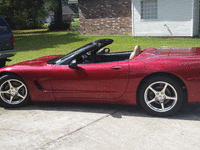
(4, 28)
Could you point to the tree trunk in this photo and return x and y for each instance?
(58, 12)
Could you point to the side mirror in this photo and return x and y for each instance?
(73, 64)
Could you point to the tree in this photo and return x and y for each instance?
(58, 12)
(56, 6)
(23, 13)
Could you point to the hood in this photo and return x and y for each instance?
(37, 62)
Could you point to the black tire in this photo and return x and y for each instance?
(13, 91)
(161, 96)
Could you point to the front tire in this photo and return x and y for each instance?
(161, 96)
(13, 91)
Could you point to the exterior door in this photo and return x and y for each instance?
(96, 81)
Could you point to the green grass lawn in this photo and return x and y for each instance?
(32, 44)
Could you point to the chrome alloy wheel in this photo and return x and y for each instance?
(13, 91)
(160, 96)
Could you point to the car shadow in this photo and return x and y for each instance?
(188, 111)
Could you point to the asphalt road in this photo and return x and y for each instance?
(76, 126)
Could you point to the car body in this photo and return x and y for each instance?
(6, 42)
(159, 79)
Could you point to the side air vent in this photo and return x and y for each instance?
(38, 85)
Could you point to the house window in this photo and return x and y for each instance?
(149, 9)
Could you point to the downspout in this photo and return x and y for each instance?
(132, 8)
(192, 29)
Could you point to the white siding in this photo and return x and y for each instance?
(174, 19)
(196, 18)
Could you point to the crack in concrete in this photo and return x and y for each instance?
(48, 143)
(12, 130)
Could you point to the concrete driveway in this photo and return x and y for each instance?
(76, 126)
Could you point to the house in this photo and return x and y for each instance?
(139, 17)
(67, 14)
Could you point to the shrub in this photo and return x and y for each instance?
(65, 25)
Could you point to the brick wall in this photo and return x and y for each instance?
(105, 17)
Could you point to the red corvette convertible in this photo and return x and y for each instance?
(160, 80)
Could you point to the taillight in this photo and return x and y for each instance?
(13, 40)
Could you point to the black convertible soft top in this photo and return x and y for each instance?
(93, 47)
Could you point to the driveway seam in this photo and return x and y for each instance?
(48, 143)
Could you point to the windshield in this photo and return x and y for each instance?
(74, 52)
(4, 28)
(93, 47)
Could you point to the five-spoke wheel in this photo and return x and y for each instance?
(161, 96)
(13, 91)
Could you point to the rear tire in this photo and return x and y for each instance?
(13, 91)
(161, 96)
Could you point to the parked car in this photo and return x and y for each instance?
(6, 42)
(161, 80)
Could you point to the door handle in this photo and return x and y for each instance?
(116, 68)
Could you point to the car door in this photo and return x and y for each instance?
(95, 81)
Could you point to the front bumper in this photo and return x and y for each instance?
(7, 53)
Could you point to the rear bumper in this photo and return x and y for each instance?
(7, 53)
